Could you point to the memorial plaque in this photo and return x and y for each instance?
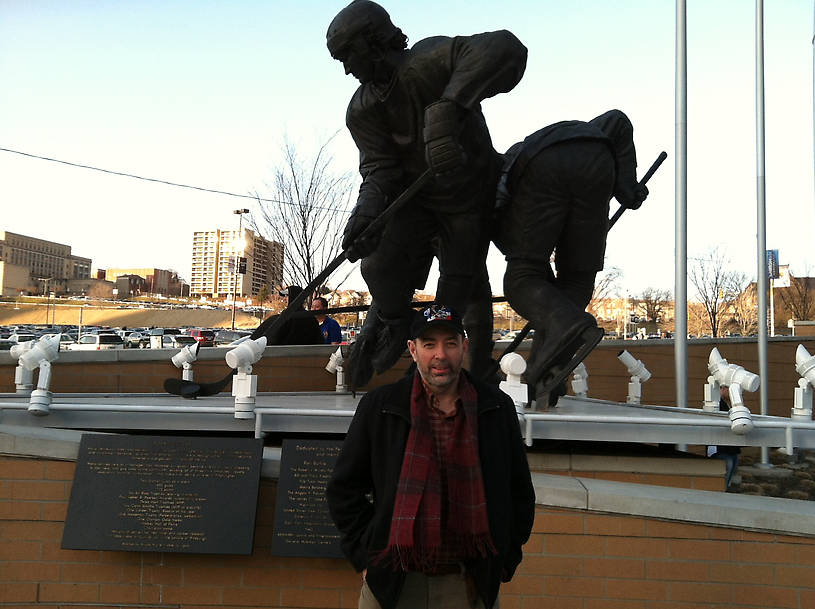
(164, 494)
(303, 526)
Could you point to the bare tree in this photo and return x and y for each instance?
(745, 310)
(798, 298)
(606, 285)
(306, 211)
(651, 304)
(716, 285)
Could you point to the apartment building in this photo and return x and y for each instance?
(215, 254)
(36, 265)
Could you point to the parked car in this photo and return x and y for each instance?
(97, 342)
(205, 338)
(227, 337)
(176, 341)
(6, 344)
(21, 337)
(134, 339)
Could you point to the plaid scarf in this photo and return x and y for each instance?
(416, 527)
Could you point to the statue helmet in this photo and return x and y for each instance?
(367, 19)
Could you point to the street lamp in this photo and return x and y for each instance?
(46, 294)
(240, 213)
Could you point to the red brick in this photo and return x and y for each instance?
(168, 576)
(534, 544)
(736, 573)
(331, 578)
(554, 585)
(505, 601)
(29, 572)
(52, 551)
(572, 545)
(636, 589)
(112, 593)
(558, 523)
(765, 596)
(596, 603)
(251, 597)
(549, 602)
(20, 550)
(20, 510)
(33, 531)
(79, 573)
(677, 570)
(805, 555)
(60, 470)
(76, 593)
(807, 598)
(43, 490)
(551, 565)
(677, 530)
(700, 592)
(53, 511)
(527, 585)
(211, 576)
(205, 595)
(18, 593)
(292, 597)
(801, 577)
(699, 549)
(22, 469)
(615, 526)
(760, 553)
(614, 567)
(637, 547)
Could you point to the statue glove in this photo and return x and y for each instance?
(355, 245)
(443, 151)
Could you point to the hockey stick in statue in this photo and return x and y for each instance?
(270, 327)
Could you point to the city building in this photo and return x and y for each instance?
(36, 266)
(214, 271)
(156, 281)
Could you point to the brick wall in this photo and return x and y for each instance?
(575, 559)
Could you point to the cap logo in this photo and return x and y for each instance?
(437, 313)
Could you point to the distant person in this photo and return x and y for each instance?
(332, 335)
(728, 454)
(297, 330)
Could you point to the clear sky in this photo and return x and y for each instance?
(203, 92)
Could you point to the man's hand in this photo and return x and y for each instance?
(366, 211)
(631, 197)
(443, 152)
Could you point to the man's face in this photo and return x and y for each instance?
(439, 355)
(317, 305)
(356, 59)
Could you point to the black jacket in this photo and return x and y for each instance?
(371, 461)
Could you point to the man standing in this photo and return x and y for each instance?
(442, 457)
(301, 328)
(415, 109)
(332, 335)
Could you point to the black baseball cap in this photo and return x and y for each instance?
(436, 316)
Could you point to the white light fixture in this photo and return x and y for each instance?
(39, 355)
(639, 375)
(580, 381)
(244, 383)
(513, 365)
(737, 379)
(184, 359)
(334, 366)
(805, 366)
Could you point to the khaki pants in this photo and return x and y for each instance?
(424, 592)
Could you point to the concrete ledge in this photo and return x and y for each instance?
(766, 514)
